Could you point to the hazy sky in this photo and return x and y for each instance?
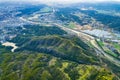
(62, 1)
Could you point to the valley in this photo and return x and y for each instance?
(49, 42)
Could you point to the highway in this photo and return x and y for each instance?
(91, 39)
(85, 37)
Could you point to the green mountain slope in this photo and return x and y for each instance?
(52, 55)
(39, 66)
(60, 47)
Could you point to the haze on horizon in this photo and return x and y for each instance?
(59, 1)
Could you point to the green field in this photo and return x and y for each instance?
(117, 46)
(46, 9)
(71, 25)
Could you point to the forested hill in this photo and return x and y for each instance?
(55, 56)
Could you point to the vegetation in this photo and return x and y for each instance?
(101, 43)
(111, 53)
(46, 10)
(45, 53)
(36, 30)
(71, 25)
(38, 66)
(108, 51)
(111, 21)
(117, 46)
(4, 49)
(57, 46)
(65, 15)
(30, 9)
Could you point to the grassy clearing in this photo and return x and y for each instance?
(71, 25)
(101, 43)
(46, 9)
(117, 46)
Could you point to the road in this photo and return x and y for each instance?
(85, 37)
(92, 40)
